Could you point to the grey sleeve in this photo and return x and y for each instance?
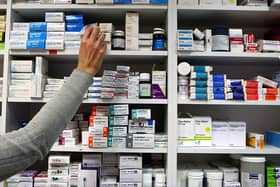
(20, 149)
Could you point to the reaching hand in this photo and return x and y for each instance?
(92, 50)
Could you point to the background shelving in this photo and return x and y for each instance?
(253, 19)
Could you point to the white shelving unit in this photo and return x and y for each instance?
(81, 148)
(171, 17)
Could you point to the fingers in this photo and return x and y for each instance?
(100, 40)
(87, 33)
(95, 32)
(100, 54)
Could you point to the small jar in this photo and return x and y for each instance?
(118, 40)
(159, 39)
(145, 86)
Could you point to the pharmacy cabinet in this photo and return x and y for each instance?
(259, 116)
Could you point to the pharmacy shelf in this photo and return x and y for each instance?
(92, 12)
(82, 148)
(268, 150)
(251, 15)
(94, 101)
(223, 102)
(74, 53)
(94, 7)
(229, 55)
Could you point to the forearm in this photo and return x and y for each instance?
(20, 149)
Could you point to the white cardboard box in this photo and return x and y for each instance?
(203, 131)
(128, 162)
(237, 134)
(220, 134)
(185, 132)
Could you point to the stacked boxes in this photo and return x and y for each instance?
(270, 92)
(58, 171)
(49, 35)
(121, 82)
(2, 31)
(108, 82)
(71, 135)
(141, 129)
(198, 43)
(89, 174)
(39, 79)
(145, 41)
(98, 127)
(185, 40)
(132, 31)
(22, 72)
(219, 88)
(235, 89)
(74, 174)
(27, 178)
(253, 90)
(52, 87)
(133, 86)
(94, 91)
(201, 83)
(236, 40)
(110, 169)
(107, 29)
(130, 170)
(118, 121)
(41, 179)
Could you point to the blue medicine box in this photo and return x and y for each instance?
(158, 1)
(37, 36)
(273, 138)
(38, 26)
(74, 18)
(122, 2)
(35, 44)
(74, 27)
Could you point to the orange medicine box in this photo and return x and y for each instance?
(98, 121)
(270, 91)
(97, 142)
(255, 140)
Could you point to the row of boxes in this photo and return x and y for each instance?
(103, 1)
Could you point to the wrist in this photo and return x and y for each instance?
(89, 71)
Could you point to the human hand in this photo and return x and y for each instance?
(92, 50)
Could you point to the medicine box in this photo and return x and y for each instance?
(37, 36)
(97, 142)
(72, 36)
(119, 110)
(74, 27)
(138, 141)
(74, 18)
(70, 133)
(130, 184)
(59, 160)
(85, 135)
(54, 17)
(18, 35)
(22, 66)
(91, 160)
(140, 2)
(55, 44)
(131, 175)
(237, 129)
(55, 36)
(100, 111)
(20, 26)
(88, 178)
(220, 134)
(38, 26)
(130, 162)
(273, 138)
(98, 121)
(186, 132)
(55, 27)
(106, 27)
(159, 84)
(72, 45)
(21, 76)
(84, 1)
(18, 44)
(188, 2)
(35, 44)
(117, 142)
(255, 140)
(140, 114)
(122, 1)
(158, 1)
(141, 126)
(118, 131)
(118, 120)
(211, 3)
(203, 131)
(104, 1)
